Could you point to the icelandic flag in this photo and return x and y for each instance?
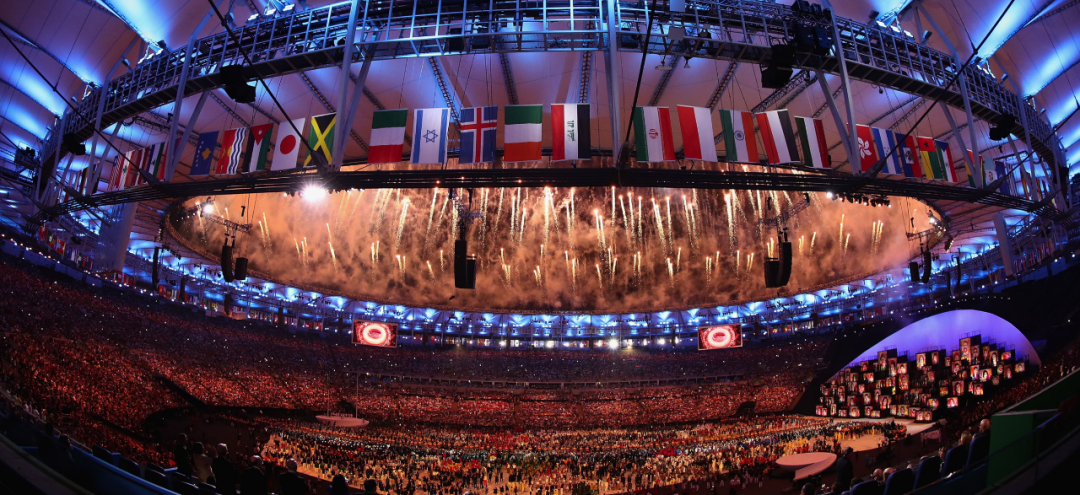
(429, 135)
(478, 126)
(884, 141)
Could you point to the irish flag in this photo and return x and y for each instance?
(740, 141)
(652, 134)
(697, 133)
(387, 135)
(570, 136)
(812, 136)
(522, 132)
(778, 137)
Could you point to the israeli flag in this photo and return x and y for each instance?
(429, 135)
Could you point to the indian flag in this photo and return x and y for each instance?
(812, 136)
(697, 133)
(387, 135)
(652, 134)
(523, 132)
(740, 141)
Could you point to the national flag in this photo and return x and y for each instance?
(388, 135)
(321, 138)
(232, 151)
(523, 132)
(137, 159)
(884, 143)
(204, 154)
(778, 136)
(571, 136)
(155, 161)
(287, 146)
(930, 158)
(947, 161)
(117, 171)
(868, 153)
(478, 128)
(258, 147)
(999, 170)
(740, 140)
(909, 155)
(429, 135)
(1026, 183)
(697, 133)
(652, 134)
(812, 136)
(973, 167)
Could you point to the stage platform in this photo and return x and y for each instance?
(342, 421)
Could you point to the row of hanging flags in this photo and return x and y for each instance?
(246, 150)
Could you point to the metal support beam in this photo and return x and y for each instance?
(794, 88)
(350, 112)
(611, 62)
(722, 85)
(174, 148)
(851, 143)
(170, 171)
(824, 106)
(972, 167)
(508, 78)
(444, 88)
(330, 108)
(664, 79)
(232, 113)
(845, 138)
(33, 44)
(585, 83)
(343, 86)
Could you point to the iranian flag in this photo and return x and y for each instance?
(652, 134)
(778, 136)
(570, 136)
(259, 147)
(697, 133)
(387, 135)
(812, 136)
(740, 141)
(522, 132)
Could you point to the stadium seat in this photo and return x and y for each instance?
(155, 467)
(900, 482)
(156, 477)
(928, 472)
(102, 454)
(185, 488)
(129, 466)
(866, 488)
(206, 489)
(954, 460)
(979, 449)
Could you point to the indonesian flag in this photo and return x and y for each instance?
(232, 151)
(523, 132)
(697, 133)
(812, 135)
(868, 155)
(287, 147)
(652, 134)
(259, 147)
(778, 136)
(740, 141)
(387, 135)
(570, 136)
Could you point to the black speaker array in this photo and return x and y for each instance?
(235, 78)
(913, 269)
(778, 270)
(156, 267)
(228, 303)
(73, 145)
(1003, 126)
(778, 72)
(240, 269)
(226, 262)
(928, 266)
(183, 288)
(464, 266)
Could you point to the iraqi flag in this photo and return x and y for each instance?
(740, 141)
(778, 136)
(652, 134)
(812, 137)
(258, 147)
(523, 131)
(429, 135)
(232, 151)
(697, 133)
(287, 146)
(204, 154)
(570, 135)
(947, 161)
(886, 148)
(478, 128)
(387, 135)
(868, 153)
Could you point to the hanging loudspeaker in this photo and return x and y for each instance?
(240, 269)
(226, 262)
(928, 266)
(913, 269)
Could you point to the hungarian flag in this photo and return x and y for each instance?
(812, 136)
(204, 154)
(884, 142)
(321, 138)
(930, 157)
(697, 133)
(740, 141)
(947, 161)
(259, 147)
(868, 153)
(909, 156)
(652, 134)
(570, 135)
(232, 151)
(429, 135)
(778, 136)
(478, 127)
(387, 135)
(522, 133)
(287, 146)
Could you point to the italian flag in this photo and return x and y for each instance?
(740, 141)
(570, 136)
(523, 132)
(652, 134)
(260, 147)
(697, 133)
(812, 135)
(387, 135)
(778, 137)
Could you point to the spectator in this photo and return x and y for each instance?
(224, 471)
(291, 481)
(253, 481)
(339, 485)
(182, 456)
(369, 487)
(202, 463)
(845, 470)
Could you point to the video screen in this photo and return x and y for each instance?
(375, 333)
(719, 337)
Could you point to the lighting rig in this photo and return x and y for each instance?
(862, 199)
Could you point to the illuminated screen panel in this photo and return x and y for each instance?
(719, 337)
(375, 333)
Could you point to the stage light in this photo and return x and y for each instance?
(314, 193)
(613, 344)
(208, 209)
(829, 194)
